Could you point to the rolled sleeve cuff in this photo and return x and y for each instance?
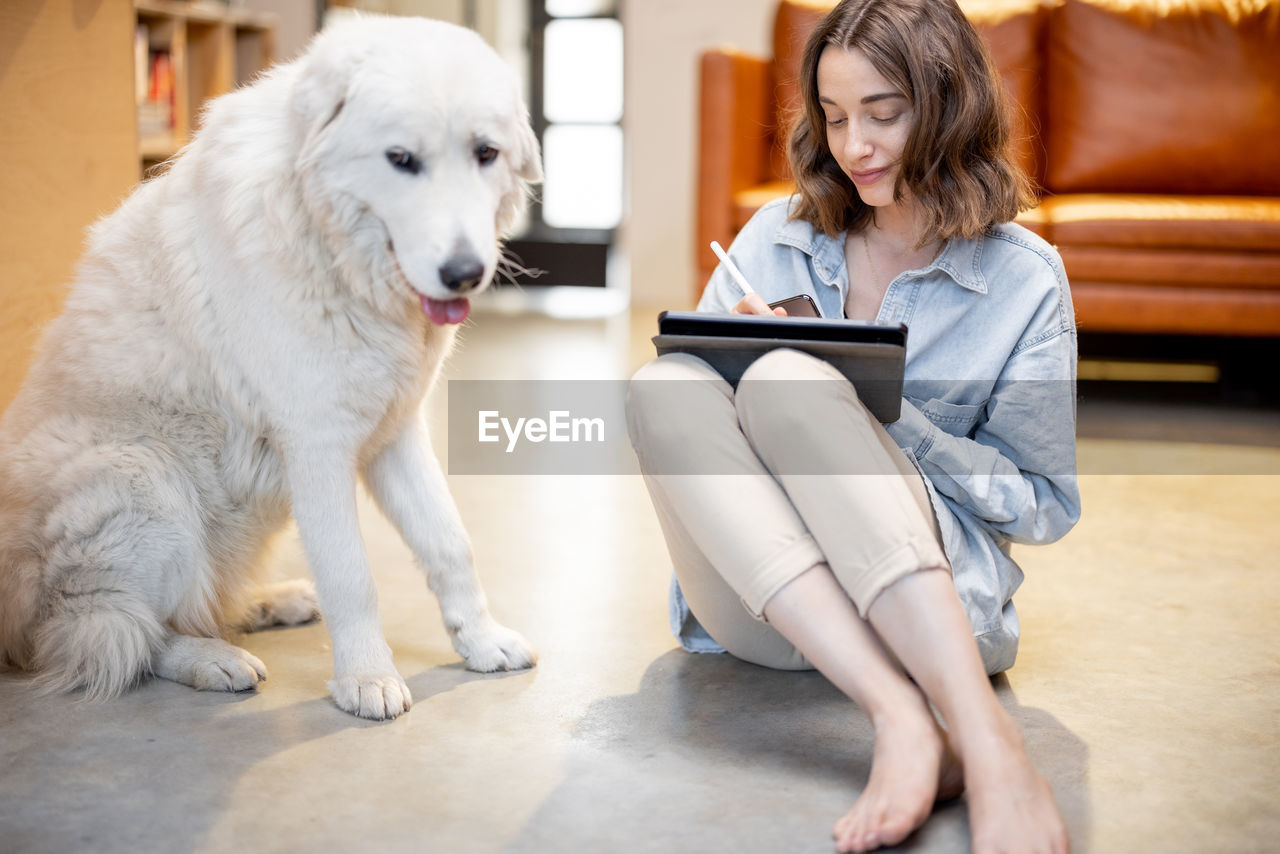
(913, 431)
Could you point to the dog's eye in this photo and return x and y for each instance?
(404, 160)
(486, 153)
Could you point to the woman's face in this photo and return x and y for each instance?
(868, 121)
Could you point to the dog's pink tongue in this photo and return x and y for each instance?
(445, 311)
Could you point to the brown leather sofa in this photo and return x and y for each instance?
(1153, 127)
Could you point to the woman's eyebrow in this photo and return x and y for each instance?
(883, 96)
(870, 99)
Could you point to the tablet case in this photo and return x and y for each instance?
(873, 364)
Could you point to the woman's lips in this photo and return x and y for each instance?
(865, 178)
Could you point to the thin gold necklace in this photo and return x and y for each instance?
(866, 248)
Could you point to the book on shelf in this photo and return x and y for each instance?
(154, 89)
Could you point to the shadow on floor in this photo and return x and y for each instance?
(157, 768)
(714, 754)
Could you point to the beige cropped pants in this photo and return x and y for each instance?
(755, 487)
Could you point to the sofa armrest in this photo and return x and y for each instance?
(735, 135)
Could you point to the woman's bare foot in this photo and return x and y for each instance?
(1011, 806)
(913, 767)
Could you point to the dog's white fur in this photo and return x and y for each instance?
(243, 339)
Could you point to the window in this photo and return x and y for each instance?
(576, 104)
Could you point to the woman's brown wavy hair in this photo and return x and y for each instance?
(957, 163)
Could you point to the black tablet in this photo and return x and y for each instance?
(871, 356)
(783, 328)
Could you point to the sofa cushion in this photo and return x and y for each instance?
(747, 202)
(1011, 30)
(1174, 267)
(793, 23)
(1219, 223)
(1102, 307)
(1177, 97)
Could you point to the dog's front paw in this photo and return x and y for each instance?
(490, 646)
(378, 697)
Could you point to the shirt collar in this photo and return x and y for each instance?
(960, 259)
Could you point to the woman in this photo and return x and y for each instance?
(804, 533)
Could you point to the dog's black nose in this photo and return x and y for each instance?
(462, 274)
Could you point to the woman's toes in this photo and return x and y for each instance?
(850, 832)
(895, 828)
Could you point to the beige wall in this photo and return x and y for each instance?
(68, 153)
(663, 41)
(295, 24)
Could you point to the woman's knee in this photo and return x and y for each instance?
(785, 392)
(787, 364)
(676, 366)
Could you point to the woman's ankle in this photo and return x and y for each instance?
(993, 741)
(906, 706)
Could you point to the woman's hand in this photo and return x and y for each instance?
(755, 304)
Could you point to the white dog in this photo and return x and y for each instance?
(245, 335)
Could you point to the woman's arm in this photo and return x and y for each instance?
(1015, 469)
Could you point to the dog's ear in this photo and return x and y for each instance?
(528, 161)
(526, 168)
(320, 89)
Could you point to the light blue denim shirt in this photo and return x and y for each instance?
(988, 410)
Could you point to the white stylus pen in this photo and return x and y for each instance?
(732, 268)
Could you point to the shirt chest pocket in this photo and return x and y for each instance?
(958, 419)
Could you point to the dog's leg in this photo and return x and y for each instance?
(208, 664)
(284, 603)
(323, 488)
(409, 486)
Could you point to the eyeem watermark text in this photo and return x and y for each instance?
(558, 426)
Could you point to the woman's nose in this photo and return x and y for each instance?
(856, 146)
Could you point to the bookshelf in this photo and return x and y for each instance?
(186, 52)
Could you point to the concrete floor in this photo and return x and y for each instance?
(1148, 686)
